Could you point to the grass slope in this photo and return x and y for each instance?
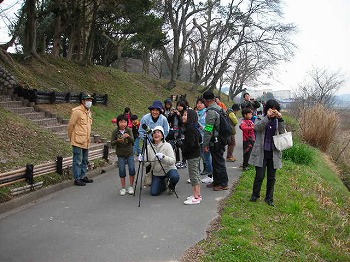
(124, 90)
(309, 223)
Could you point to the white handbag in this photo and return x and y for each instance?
(283, 141)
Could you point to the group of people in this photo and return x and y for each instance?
(159, 137)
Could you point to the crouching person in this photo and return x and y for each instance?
(163, 156)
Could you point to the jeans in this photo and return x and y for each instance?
(220, 177)
(137, 149)
(80, 162)
(208, 167)
(122, 161)
(158, 182)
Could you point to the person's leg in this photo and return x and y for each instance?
(259, 178)
(271, 179)
(245, 153)
(77, 159)
(131, 166)
(219, 167)
(122, 169)
(174, 176)
(230, 148)
(84, 162)
(158, 185)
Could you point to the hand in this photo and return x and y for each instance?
(160, 155)
(140, 158)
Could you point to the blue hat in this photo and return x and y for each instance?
(156, 105)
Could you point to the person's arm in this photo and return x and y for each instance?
(72, 121)
(233, 118)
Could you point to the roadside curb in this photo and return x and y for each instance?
(32, 196)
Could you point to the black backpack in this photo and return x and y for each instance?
(225, 129)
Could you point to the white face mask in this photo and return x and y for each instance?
(88, 104)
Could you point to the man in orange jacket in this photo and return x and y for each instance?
(79, 131)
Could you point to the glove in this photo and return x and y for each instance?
(160, 156)
(140, 158)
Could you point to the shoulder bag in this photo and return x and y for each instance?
(283, 141)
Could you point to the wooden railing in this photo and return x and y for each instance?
(29, 172)
(45, 97)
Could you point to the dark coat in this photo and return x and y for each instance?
(190, 147)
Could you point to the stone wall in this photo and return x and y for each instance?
(7, 82)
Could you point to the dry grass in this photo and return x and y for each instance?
(318, 126)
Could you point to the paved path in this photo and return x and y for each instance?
(94, 223)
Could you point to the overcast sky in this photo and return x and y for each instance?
(323, 40)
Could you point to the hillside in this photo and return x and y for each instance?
(124, 90)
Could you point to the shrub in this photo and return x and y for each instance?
(318, 126)
(300, 154)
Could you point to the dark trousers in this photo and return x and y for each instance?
(219, 165)
(247, 149)
(260, 175)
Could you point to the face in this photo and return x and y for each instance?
(249, 115)
(167, 105)
(180, 108)
(184, 117)
(247, 97)
(122, 124)
(155, 113)
(87, 103)
(157, 136)
(200, 105)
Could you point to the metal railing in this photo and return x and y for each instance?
(29, 172)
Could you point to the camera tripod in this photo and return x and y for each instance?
(141, 167)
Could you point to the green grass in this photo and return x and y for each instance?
(309, 223)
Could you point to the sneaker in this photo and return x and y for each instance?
(207, 180)
(192, 201)
(79, 183)
(231, 159)
(122, 192)
(85, 179)
(189, 180)
(131, 190)
(200, 197)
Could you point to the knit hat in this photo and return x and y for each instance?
(156, 105)
(160, 128)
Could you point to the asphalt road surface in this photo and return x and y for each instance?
(95, 223)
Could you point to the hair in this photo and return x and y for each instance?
(272, 103)
(246, 110)
(192, 116)
(182, 103)
(246, 93)
(127, 110)
(120, 118)
(134, 117)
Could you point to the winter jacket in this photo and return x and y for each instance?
(257, 154)
(247, 126)
(123, 147)
(149, 122)
(234, 120)
(212, 124)
(79, 127)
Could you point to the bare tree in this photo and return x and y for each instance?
(319, 87)
(221, 42)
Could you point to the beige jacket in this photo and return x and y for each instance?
(79, 127)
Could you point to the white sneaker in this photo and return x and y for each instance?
(131, 190)
(207, 180)
(122, 192)
(192, 201)
(200, 197)
(188, 180)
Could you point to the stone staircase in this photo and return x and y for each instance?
(44, 119)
